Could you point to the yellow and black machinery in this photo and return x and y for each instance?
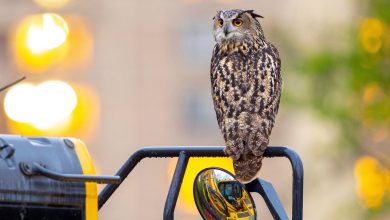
(47, 178)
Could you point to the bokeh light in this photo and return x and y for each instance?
(18, 101)
(80, 122)
(372, 181)
(371, 34)
(40, 42)
(371, 91)
(43, 106)
(195, 165)
(48, 33)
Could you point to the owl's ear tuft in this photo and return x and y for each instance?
(253, 14)
(218, 14)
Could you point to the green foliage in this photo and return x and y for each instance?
(352, 86)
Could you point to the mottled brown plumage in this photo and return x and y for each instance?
(246, 88)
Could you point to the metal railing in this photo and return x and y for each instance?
(264, 188)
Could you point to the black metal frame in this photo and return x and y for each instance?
(264, 188)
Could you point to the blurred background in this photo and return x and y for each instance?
(121, 75)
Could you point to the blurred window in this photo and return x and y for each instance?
(197, 43)
(199, 115)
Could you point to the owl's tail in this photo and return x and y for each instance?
(247, 167)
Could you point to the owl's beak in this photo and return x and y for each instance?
(226, 30)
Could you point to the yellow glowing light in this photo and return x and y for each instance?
(56, 102)
(51, 32)
(39, 42)
(52, 3)
(372, 181)
(195, 165)
(81, 123)
(18, 102)
(371, 34)
(43, 106)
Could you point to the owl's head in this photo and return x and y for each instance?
(236, 25)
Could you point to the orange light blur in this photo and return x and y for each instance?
(43, 106)
(42, 42)
(81, 123)
(372, 181)
(39, 42)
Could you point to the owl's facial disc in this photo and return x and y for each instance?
(230, 29)
(228, 33)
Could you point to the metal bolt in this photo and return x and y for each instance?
(26, 168)
(69, 143)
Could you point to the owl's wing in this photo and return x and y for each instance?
(214, 88)
(270, 93)
(273, 66)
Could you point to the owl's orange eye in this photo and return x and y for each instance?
(220, 22)
(237, 22)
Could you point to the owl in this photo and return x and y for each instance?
(246, 88)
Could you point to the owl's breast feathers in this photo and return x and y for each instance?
(246, 88)
(245, 78)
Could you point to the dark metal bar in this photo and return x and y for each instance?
(123, 172)
(37, 169)
(267, 191)
(297, 189)
(298, 173)
(174, 189)
(216, 151)
(11, 84)
(212, 151)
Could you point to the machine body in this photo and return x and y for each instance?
(26, 196)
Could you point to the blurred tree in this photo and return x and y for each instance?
(352, 87)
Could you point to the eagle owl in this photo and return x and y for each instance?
(246, 88)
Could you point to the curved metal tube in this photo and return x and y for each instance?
(174, 189)
(37, 169)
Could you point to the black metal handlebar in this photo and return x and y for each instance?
(34, 169)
